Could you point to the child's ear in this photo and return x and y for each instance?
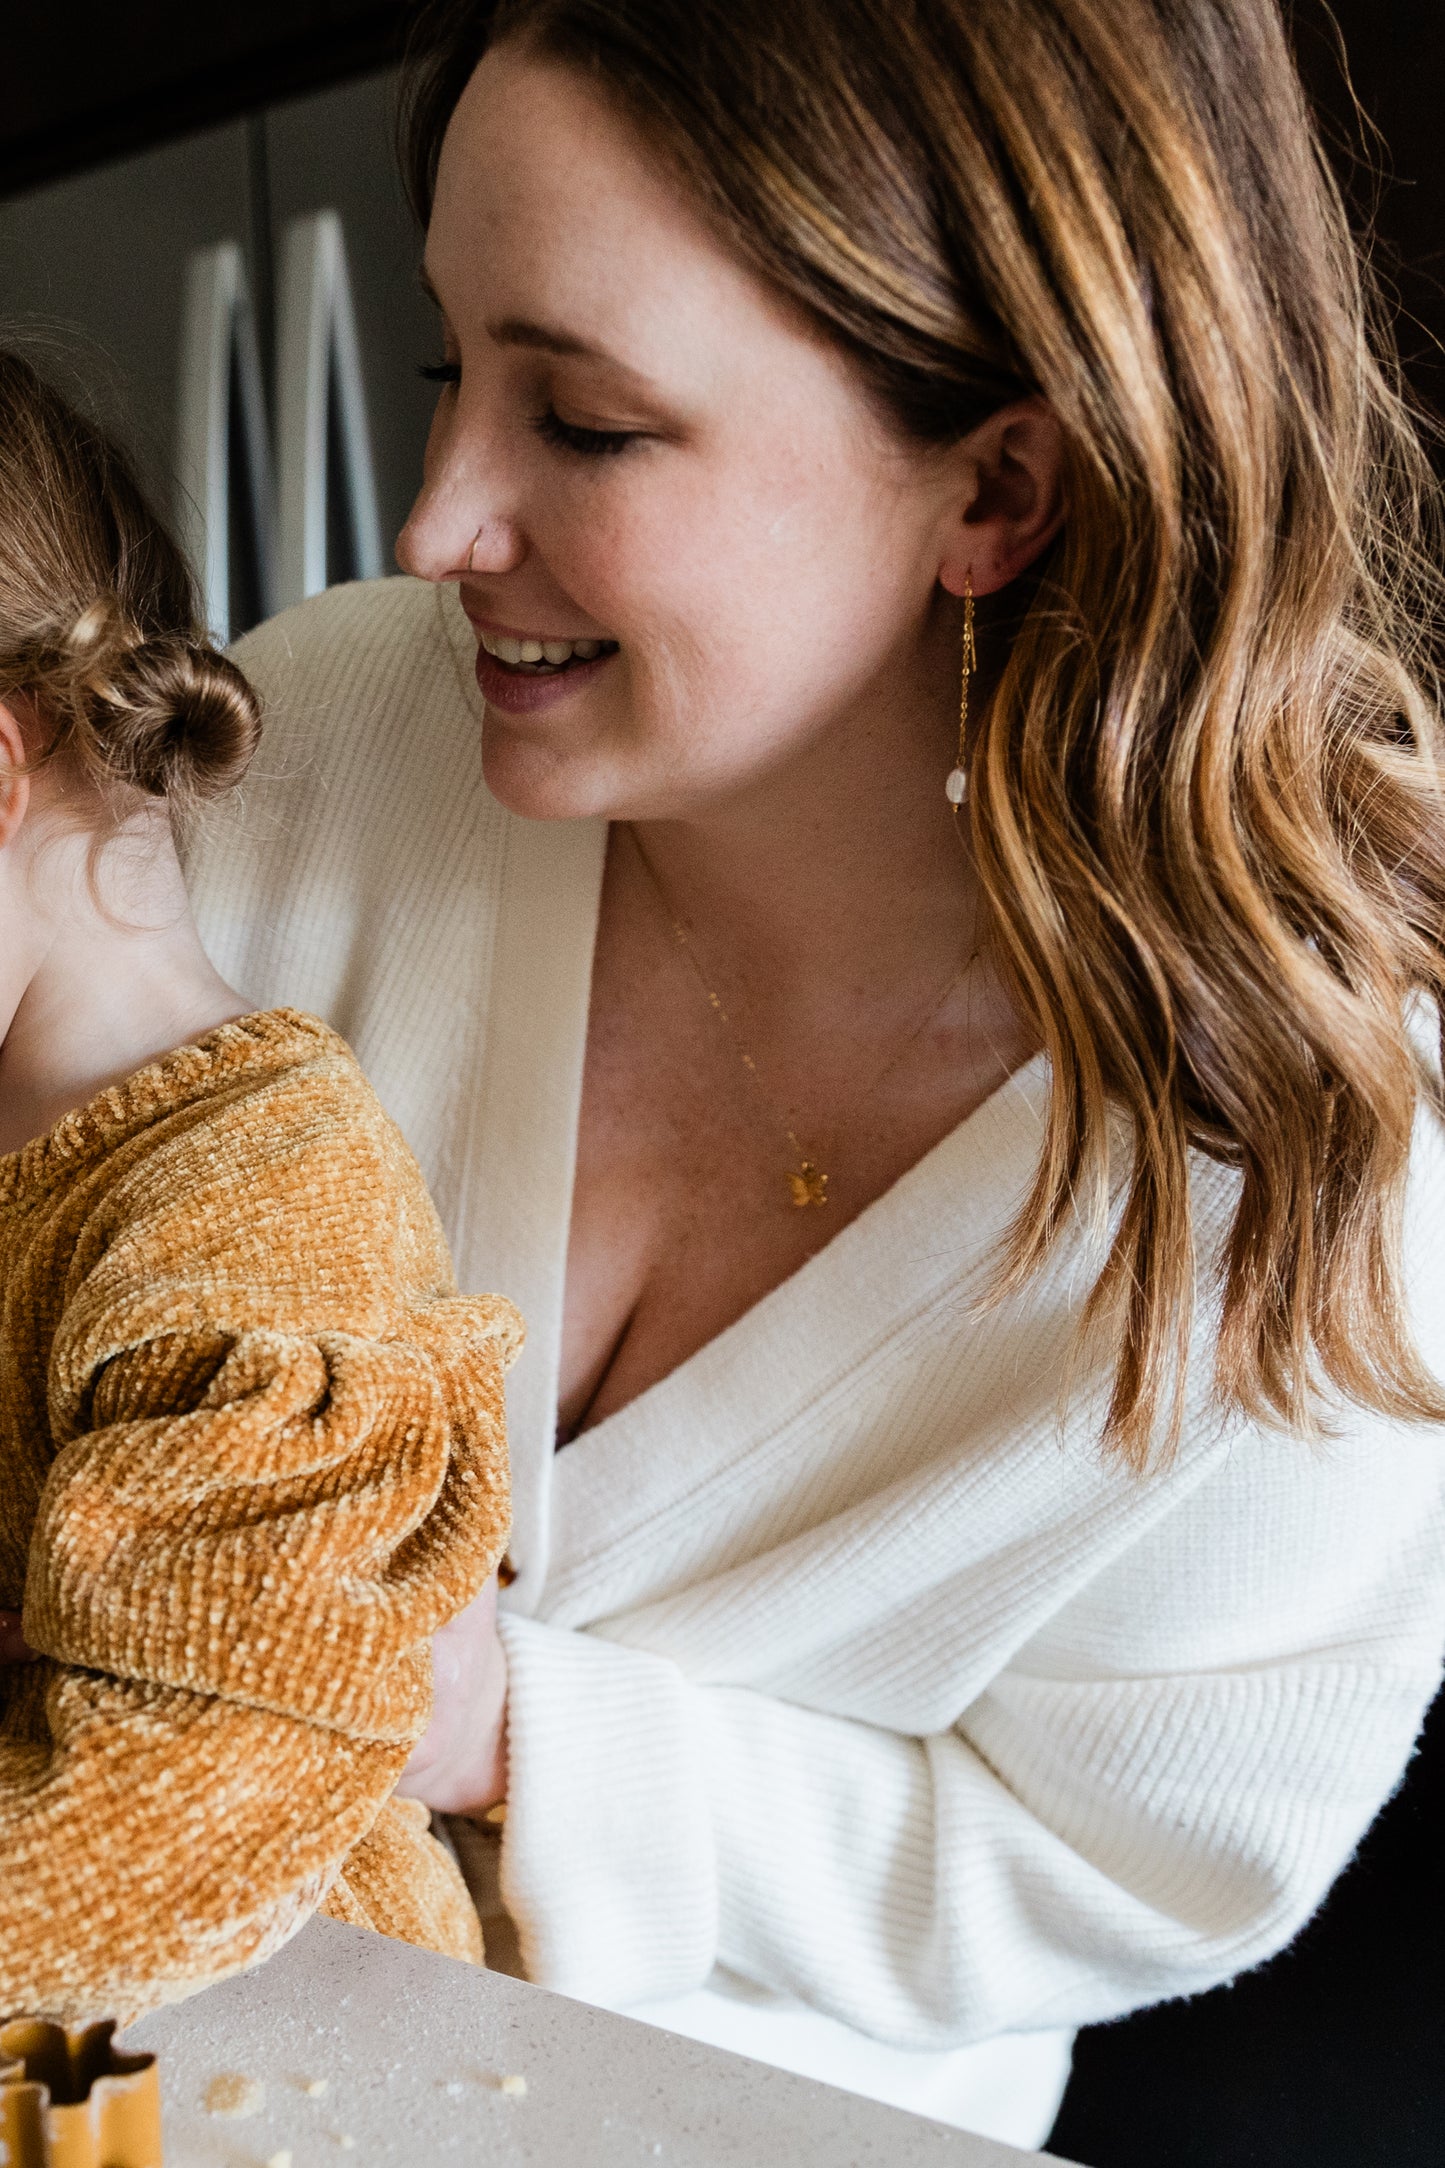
(14, 782)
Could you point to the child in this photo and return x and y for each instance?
(252, 1452)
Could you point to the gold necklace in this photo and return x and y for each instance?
(807, 1181)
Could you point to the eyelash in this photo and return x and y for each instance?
(550, 427)
(588, 443)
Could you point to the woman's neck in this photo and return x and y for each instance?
(847, 869)
(105, 971)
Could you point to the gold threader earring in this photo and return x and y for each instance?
(955, 789)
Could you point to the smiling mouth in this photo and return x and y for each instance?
(538, 657)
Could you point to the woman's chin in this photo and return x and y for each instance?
(540, 784)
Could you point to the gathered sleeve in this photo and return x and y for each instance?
(255, 1521)
(1128, 1809)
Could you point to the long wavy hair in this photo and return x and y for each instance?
(1206, 793)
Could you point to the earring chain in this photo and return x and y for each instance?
(955, 788)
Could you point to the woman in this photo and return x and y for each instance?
(953, 1167)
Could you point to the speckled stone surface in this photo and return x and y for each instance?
(403, 2054)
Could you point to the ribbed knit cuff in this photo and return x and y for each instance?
(608, 1865)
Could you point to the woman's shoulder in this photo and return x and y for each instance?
(367, 789)
(357, 659)
(357, 624)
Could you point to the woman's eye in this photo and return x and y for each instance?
(590, 443)
(564, 436)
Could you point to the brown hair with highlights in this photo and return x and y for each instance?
(1206, 794)
(99, 617)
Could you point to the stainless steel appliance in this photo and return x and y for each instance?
(241, 307)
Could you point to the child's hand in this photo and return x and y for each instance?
(459, 1764)
(14, 1648)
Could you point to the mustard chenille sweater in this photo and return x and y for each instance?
(252, 1455)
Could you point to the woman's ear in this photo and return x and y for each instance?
(14, 782)
(1010, 503)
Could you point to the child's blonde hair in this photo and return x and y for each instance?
(100, 625)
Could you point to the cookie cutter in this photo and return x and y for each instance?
(68, 2099)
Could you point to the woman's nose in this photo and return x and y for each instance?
(445, 539)
(461, 520)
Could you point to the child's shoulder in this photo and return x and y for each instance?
(248, 1073)
(274, 1105)
(259, 1183)
(250, 1087)
(256, 1090)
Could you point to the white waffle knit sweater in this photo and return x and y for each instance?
(837, 1659)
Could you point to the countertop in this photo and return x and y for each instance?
(373, 2054)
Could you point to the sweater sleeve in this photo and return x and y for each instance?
(242, 1549)
(1088, 1836)
(234, 1575)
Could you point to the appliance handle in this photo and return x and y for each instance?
(221, 412)
(320, 409)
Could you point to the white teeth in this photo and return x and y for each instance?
(531, 650)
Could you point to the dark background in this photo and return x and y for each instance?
(90, 82)
(85, 83)
(1333, 2056)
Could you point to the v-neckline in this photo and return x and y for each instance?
(858, 1239)
(517, 1156)
(928, 1240)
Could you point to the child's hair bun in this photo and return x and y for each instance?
(101, 629)
(167, 714)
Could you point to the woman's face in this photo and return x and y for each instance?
(640, 445)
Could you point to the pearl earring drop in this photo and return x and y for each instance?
(955, 788)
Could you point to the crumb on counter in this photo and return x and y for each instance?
(232, 2093)
(516, 2085)
(315, 2087)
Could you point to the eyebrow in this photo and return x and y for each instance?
(541, 338)
(547, 339)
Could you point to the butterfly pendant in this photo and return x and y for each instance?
(808, 1186)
